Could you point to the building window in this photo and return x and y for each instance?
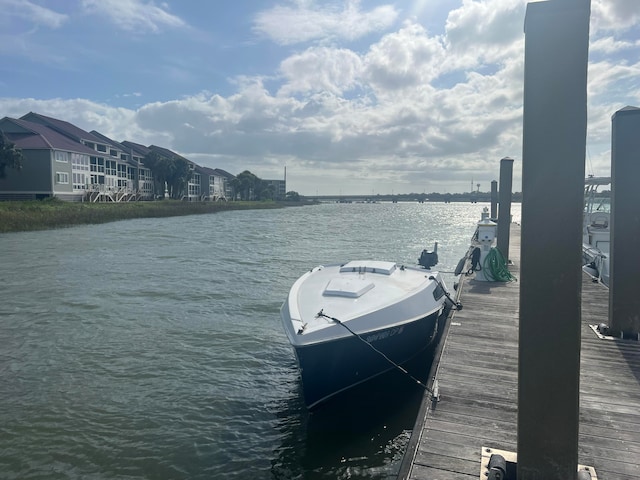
(194, 190)
(79, 181)
(97, 179)
(97, 164)
(101, 148)
(62, 156)
(80, 162)
(62, 178)
(110, 167)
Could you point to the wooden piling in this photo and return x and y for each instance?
(554, 140)
(494, 200)
(504, 208)
(624, 301)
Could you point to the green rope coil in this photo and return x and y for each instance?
(496, 266)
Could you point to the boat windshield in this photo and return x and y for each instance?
(597, 195)
(602, 205)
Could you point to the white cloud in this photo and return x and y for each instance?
(407, 58)
(486, 31)
(614, 15)
(134, 15)
(305, 21)
(320, 69)
(609, 45)
(414, 111)
(33, 13)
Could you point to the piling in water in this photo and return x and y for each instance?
(504, 210)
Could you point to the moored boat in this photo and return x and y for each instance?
(596, 235)
(350, 322)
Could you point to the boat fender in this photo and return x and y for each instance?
(584, 475)
(475, 261)
(497, 467)
(460, 266)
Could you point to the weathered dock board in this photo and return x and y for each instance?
(477, 385)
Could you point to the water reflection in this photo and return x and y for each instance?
(361, 433)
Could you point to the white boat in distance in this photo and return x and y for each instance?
(350, 322)
(596, 234)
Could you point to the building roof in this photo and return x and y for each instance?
(168, 153)
(65, 128)
(35, 136)
(109, 141)
(37, 131)
(207, 170)
(224, 173)
(137, 148)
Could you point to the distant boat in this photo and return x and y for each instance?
(350, 322)
(596, 234)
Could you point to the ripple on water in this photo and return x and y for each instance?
(153, 348)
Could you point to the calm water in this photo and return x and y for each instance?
(153, 348)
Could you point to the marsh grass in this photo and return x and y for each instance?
(47, 214)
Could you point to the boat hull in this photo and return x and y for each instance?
(329, 368)
(596, 264)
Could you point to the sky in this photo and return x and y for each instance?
(351, 96)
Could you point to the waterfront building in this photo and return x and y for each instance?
(279, 188)
(64, 161)
(55, 164)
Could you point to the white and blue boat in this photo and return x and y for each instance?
(351, 322)
(596, 233)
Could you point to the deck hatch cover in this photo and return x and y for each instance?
(348, 287)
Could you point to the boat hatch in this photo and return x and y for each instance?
(384, 268)
(348, 287)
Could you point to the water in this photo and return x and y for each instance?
(153, 348)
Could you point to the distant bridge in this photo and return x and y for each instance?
(421, 197)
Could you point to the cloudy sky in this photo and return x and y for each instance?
(352, 96)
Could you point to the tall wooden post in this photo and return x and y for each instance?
(494, 200)
(504, 209)
(554, 144)
(624, 301)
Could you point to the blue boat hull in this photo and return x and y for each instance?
(329, 368)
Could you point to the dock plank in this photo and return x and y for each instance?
(477, 375)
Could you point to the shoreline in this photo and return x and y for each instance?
(36, 215)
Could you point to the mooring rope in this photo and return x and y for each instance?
(333, 319)
(458, 305)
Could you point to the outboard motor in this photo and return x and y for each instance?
(429, 259)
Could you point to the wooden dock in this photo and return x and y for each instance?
(477, 374)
